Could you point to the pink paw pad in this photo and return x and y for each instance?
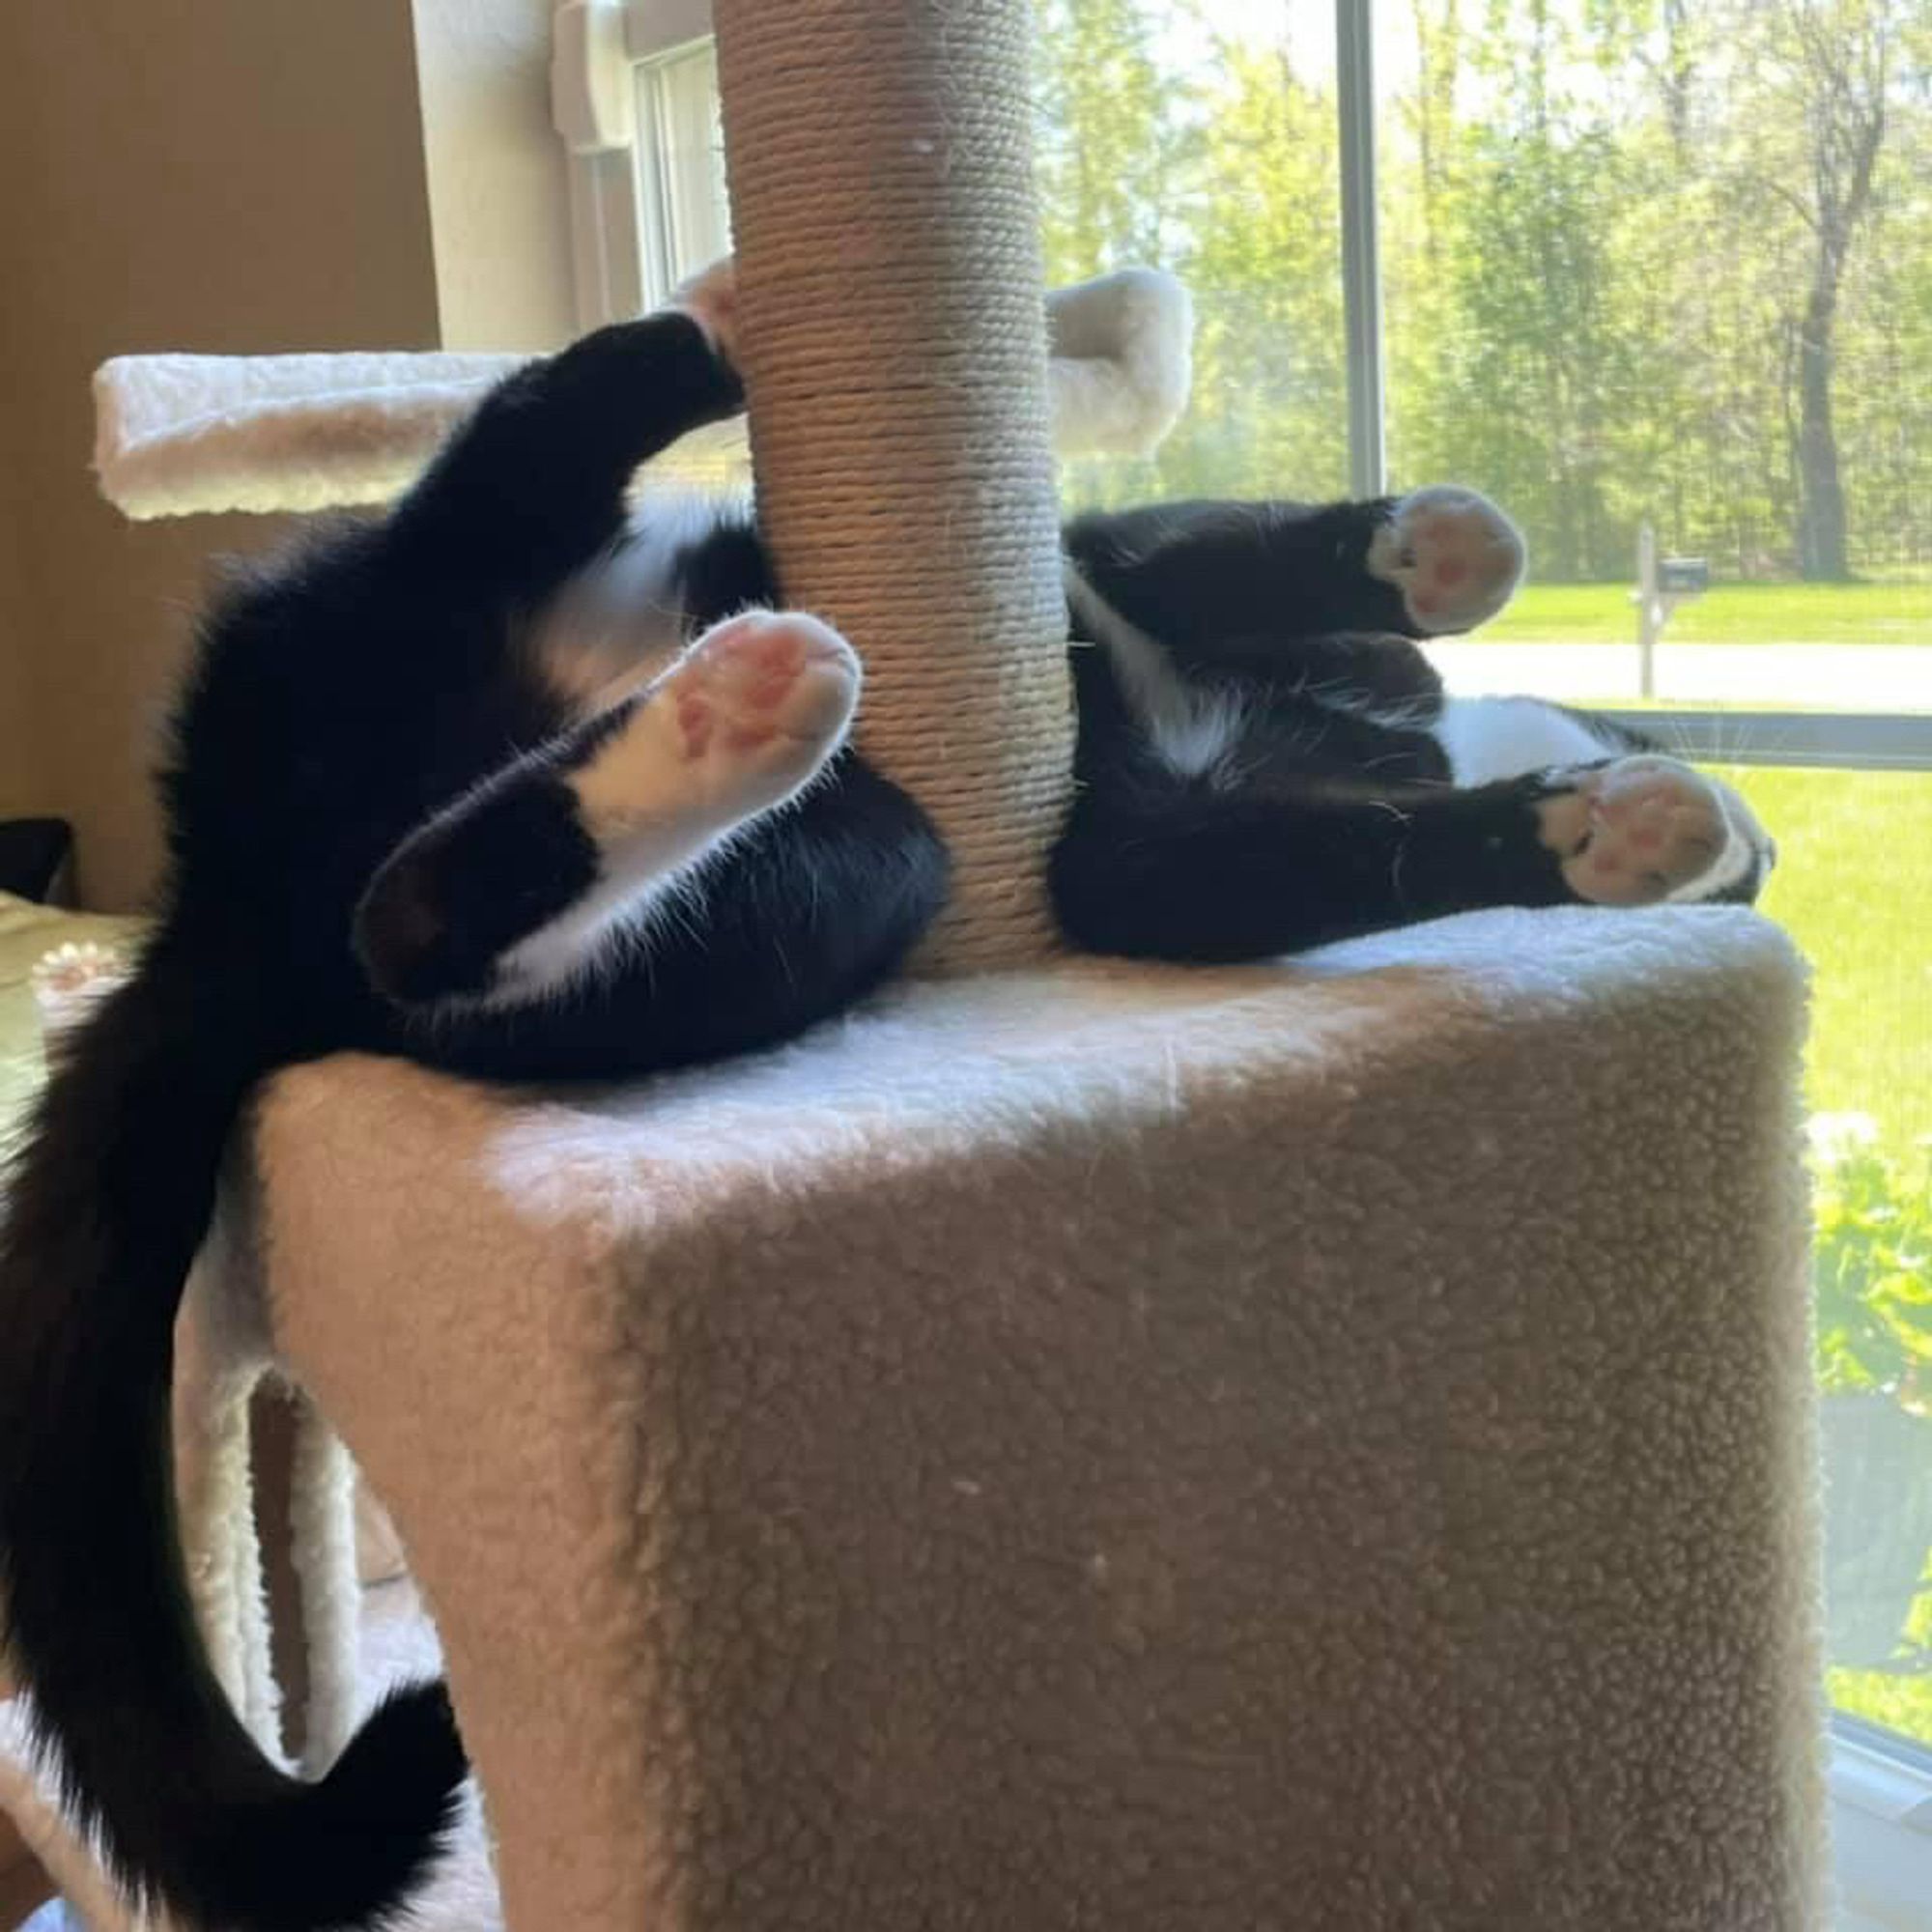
(1452, 554)
(762, 700)
(742, 737)
(694, 722)
(1637, 831)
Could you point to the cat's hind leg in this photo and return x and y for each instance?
(1646, 830)
(516, 889)
(1208, 875)
(1633, 826)
(531, 489)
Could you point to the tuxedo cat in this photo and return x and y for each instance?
(506, 785)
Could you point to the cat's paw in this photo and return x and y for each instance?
(710, 297)
(1641, 830)
(758, 705)
(1453, 556)
(503, 896)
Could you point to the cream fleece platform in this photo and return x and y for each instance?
(1321, 1447)
(181, 435)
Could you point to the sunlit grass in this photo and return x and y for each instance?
(1730, 613)
(1854, 887)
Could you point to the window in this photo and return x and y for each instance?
(635, 93)
(1658, 276)
(634, 86)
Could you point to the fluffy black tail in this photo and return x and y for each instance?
(104, 1212)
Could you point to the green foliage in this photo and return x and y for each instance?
(1270, 358)
(1872, 1262)
(1110, 136)
(1851, 846)
(1601, 224)
(1533, 285)
(1849, 888)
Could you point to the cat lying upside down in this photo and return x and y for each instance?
(505, 784)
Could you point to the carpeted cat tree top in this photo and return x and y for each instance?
(1324, 1446)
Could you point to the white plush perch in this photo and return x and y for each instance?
(179, 435)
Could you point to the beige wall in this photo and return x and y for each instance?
(222, 175)
(19, 766)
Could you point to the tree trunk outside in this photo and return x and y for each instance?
(1822, 555)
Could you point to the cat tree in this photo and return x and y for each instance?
(1324, 1445)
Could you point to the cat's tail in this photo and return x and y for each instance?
(103, 1214)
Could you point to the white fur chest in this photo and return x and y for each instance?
(621, 622)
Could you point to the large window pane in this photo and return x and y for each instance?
(680, 161)
(1655, 264)
(685, 223)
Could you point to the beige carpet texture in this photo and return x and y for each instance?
(1322, 1447)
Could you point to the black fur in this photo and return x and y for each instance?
(353, 712)
(1341, 822)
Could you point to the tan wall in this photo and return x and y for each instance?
(234, 176)
(19, 766)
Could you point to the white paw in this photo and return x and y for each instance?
(1452, 554)
(1644, 828)
(710, 297)
(759, 702)
(743, 720)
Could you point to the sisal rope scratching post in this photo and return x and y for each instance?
(890, 282)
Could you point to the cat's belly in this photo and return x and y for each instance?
(623, 622)
(1491, 738)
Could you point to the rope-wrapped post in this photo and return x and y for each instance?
(890, 278)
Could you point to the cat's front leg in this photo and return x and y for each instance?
(1441, 559)
(531, 488)
(1210, 875)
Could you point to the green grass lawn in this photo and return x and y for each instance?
(1731, 613)
(1854, 887)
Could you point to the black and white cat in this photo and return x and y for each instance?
(1266, 761)
(504, 783)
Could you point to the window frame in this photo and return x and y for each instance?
(1836, 741)
(1880, 1787)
